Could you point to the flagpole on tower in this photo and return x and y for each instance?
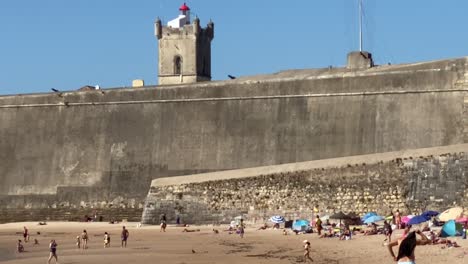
(360, 25)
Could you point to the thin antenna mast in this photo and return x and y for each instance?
(360, 25)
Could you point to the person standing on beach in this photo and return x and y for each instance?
(241, 228)
(406, 247)
(84, 239)
(388, 231)
(162, 219)
(106, 240)
(318, 225)
(78, 242)
(53, 251)
(398, 219)
(124, 236)
(25, 234)
(307, 251)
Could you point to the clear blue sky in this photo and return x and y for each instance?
(68, 44)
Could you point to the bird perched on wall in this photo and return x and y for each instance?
(231, 77)
(56, 91)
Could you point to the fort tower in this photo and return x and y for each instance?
(184, 49)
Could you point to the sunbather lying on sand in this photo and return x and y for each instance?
(371, 230)
(190, 230)
(330, 233)
(435, 239)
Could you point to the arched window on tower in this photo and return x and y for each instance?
(177, 65)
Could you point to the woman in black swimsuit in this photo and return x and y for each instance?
(53, 251)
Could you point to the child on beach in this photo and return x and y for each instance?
(53, 251)
(163, 220)
(307, 251)
(78, 242)
(106, 240)
(19, 247)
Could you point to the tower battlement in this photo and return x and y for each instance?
(187, 30)
(184, 49)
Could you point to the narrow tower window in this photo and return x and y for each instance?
(177, 65)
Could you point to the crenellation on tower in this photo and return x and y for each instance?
(184, 49)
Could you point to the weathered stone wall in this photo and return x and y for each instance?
(411, 184)
(101, 149)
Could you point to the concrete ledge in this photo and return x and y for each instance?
(308, 165)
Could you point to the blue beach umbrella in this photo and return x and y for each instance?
(374, 218)
(277, 219)
(301, 225)
(451, 228)
(367, 215)
(429, 214)
(417, 220)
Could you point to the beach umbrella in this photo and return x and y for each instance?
(417, 220)
(373, 219)
(277, 219)
(367, 215)
(451, 214)
(429, 214)
(451, 229)
(405, 219)
(301, 225)
(463, 219)
(340, 215)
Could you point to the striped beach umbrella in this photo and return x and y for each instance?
(277, 219)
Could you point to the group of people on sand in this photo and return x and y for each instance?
(82, 240)
(52, 245)
(26, 237)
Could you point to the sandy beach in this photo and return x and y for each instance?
(148, 245)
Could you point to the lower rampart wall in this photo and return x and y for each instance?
(380, 182)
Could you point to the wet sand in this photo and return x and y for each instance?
(148, 245)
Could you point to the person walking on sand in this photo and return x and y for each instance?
(163, 220)
(124, 236)
(53, 251)
(25, 234)
(241, 228)
(318, 225)
(84, 239)
(406, 247)
(307, 251)
(106, 240)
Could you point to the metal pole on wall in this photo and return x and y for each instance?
(360, 25)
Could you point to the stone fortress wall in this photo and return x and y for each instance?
(67, 154)
(411, 181)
